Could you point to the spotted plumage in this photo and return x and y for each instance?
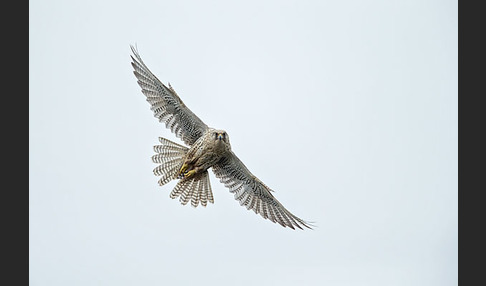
(208, 148)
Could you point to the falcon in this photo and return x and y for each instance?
(207, 148)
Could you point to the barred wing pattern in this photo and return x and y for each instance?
(253, 193)
(166, 104)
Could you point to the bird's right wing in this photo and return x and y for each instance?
(166, 104)
(253, 193)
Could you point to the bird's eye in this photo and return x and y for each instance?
(215, 135)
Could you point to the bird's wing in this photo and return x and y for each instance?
(166, 104)
(253, 193)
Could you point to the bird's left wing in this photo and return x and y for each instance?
(253, 193)
(166, 104)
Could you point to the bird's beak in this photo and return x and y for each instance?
(220, 136)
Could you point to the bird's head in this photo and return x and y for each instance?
(221, 137)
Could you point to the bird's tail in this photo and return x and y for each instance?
(196, 188)
(170, 156)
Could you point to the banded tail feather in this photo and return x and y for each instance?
(170, 156)
(196, 189)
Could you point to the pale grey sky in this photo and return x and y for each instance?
(361, 95)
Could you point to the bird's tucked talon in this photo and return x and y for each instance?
(189, 173)
(183, 169)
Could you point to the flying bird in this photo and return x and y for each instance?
(207, 148)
